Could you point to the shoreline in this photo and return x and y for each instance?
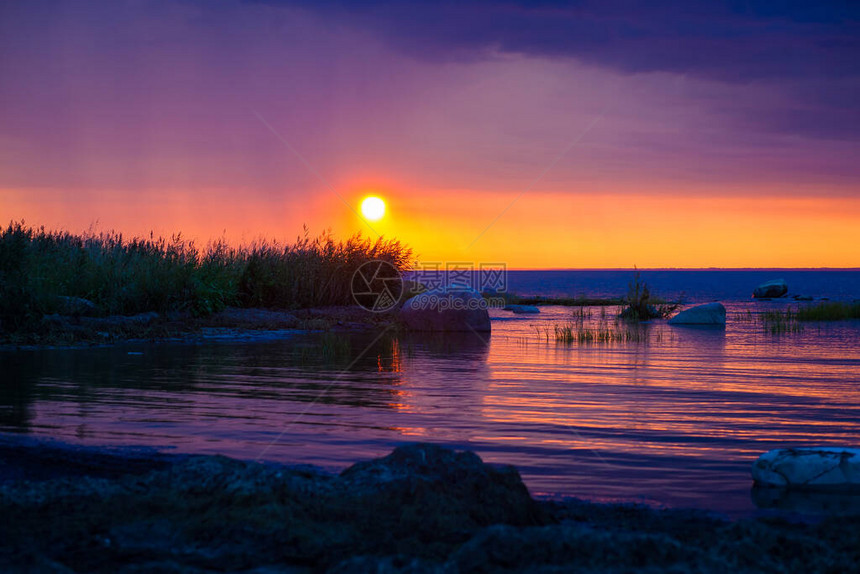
(422, 508)
(233, 324)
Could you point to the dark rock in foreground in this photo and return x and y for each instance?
(423, 508)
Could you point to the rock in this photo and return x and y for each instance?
(827, 468)
(771, 289)
(707, 314)
(450, 309)
(569, 547)
(120, 321)
(421, 510)
(429, 490)
(803, 298)
(410, 289)
(522, 309)
(75, 306)
(829, 503)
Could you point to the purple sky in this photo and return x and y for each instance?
(105, 103)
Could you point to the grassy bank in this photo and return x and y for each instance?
(44, 272)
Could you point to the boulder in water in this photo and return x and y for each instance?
(707, 314)
(449, 309)
(825, 468)
(771, 289)
(522, 309)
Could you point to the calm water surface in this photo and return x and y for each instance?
(674, 419)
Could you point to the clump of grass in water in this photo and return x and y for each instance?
(829, 311)
(780, 322)
(578, 333)
(127, 276)
(582, 313)
(641, 306)
(791, 321)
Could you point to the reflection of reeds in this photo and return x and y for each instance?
(329, 348)
(745, 316)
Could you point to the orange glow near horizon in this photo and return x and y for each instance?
(539, 231)
(542, 231)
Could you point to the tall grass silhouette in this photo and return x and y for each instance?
(40, 270)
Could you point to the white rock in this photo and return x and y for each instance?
(707, 314)
(450, 309)
(809, 468)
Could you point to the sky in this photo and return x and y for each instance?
(549, 134)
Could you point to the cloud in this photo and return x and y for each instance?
(735, 41)
(804, 55)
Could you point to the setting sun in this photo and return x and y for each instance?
(372, 208)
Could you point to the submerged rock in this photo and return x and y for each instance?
(771, 289)
(707, 314)
(450, 309)
(522, 309)
(809, 468)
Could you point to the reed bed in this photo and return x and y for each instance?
(829, 311)
(44, 271)
(780, 322)
(582, 334)
(792, 320)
